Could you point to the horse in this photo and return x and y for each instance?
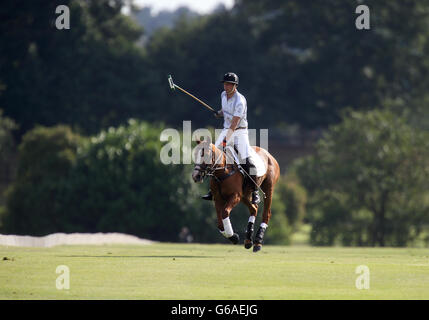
(229, 187)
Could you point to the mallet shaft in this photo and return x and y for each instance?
(202, 102)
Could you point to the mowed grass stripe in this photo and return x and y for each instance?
(196, 271)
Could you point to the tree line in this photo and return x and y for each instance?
(68, 96)
(114, 181)
(300, 63)
(366, 184)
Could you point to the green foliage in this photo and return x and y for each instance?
(368, 181)
(79, 76)
(304, 62)
(111, 182)
(279, 230)
(7, 151)
(288, 210)
(34, 201)
(2, 215)
(290, 198)
(299, 63)
(163, 19)
(47, 151)
(7, 143)
(127, 188)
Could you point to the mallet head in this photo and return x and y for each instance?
(170, 81)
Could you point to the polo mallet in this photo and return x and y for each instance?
(173, 86)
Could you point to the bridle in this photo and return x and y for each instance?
(209, 170)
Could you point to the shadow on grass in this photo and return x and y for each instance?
(111, 256)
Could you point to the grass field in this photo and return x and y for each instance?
(192, 271)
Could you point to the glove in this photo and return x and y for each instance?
(217, 114)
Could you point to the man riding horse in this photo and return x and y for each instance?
(229, 186)
(235, 130)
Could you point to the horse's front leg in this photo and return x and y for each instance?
(219, 205)
(253, 210)
(223, 213)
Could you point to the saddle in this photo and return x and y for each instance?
(236, 166)
(240, 168)
(258, 162)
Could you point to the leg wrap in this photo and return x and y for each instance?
(227, 227)
(259, 238)
(222, 232)
(249, 231)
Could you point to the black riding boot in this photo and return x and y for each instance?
(208, 196)
(255, 193)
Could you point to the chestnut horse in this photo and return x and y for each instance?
(229, 186)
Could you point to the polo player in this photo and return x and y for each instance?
(235, 129)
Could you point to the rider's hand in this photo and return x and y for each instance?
(218, 114)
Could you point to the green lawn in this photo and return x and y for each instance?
(192, 271)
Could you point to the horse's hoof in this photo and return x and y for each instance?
(248, 244)
(234, 238)
(257, 247)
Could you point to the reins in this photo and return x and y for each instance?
(222, 166)
(211, 170)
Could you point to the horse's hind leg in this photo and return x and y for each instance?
(259, 237)
(253, 209)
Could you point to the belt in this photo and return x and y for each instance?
(239, 128)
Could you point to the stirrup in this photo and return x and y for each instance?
(208, 196)
(255, 197)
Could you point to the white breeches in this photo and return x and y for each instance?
(239, 139)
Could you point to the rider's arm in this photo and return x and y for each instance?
(234, 123)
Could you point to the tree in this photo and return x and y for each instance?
(299, 62)
(319, 63)
(120, 185)
(89, 77)
(7, 143)
(111, 182)
(7, 152)
(151, 22)
(368, 181)
(35, 199)
(290, 199)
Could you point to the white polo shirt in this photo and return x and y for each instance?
(236, 106)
